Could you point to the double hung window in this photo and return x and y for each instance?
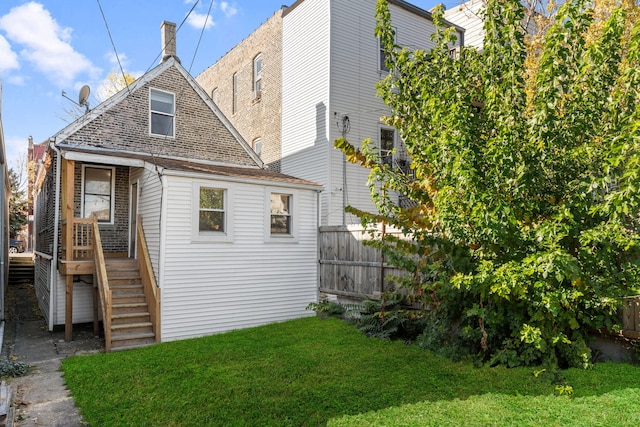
(98, 193)
(257, 77)
(281, 223)
(162, 110)
(211, 210)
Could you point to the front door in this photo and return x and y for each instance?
(133, 220)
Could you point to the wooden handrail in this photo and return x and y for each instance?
(151, 289)
(105, 292)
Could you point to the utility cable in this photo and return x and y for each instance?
(204, 27)
(104, 18)
(176, 33)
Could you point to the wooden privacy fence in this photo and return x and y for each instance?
(631, 317)
(349, 268)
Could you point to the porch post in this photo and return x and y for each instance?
(68, 167)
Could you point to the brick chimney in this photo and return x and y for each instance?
(168, 33)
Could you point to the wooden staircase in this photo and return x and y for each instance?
(20, 269)
(131, 325)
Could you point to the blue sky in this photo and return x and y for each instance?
(50, 46)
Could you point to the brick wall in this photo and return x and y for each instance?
(199, 133)
(115, 237)
(253, 118)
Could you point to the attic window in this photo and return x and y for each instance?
(162, 109)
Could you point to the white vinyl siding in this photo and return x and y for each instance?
(306, 142)
(319, 90)
(467, 16)
(354, 74)
(149, 209)
(210, 287)
(82, 301)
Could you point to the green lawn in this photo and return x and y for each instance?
(314, 372)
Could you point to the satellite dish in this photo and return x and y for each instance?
(84, 95)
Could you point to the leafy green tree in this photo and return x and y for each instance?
(17, 204)
(523, 233)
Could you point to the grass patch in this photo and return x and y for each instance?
(310, 371)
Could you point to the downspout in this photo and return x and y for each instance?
(162, 238)
(56, 228)
(318, 266)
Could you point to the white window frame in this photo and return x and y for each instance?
(215, 93)
(292, 236)
(257, 77)
(112, 195)
(257, 146)
(172, 115)
(212, 236)
(382, 68)
(391, 153)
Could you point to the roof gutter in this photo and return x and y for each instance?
(213, 176)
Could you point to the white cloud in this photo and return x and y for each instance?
(197, 20)
(44, 43)
(113, 60)
(9, 57)
(228, 9)
(16, 149)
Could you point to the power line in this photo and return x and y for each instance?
(204, 26)
(104, 18)
(177, 29)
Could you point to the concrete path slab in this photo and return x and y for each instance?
(41, 398)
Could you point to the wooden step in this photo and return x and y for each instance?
(131, 325)
(130, 328)
(128, 318)
(126, 288)
(125, 299)
(133, 307)
(126, 341)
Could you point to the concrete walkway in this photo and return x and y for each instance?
(40, 398)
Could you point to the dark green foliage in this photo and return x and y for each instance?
(327, 308)
(524, 231)
(17, 204)
(12, 368)
(386, 318)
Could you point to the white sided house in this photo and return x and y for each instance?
(470, 16)
(156, 217)
(319, 62)
(331, 62)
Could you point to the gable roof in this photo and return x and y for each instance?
(121, 122)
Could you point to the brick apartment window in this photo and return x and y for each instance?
(162, 109)
(257, 77)
(257, 146)
(97, 193)
(235, 93)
